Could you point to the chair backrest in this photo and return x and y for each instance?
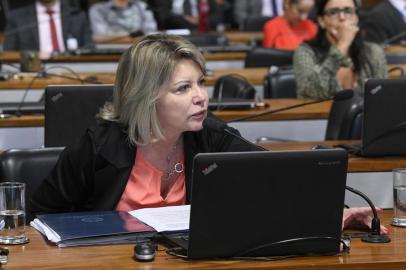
(280, 84)
(70, 109)
(233, 86)
(29, 166)
(266, 57)
(345, 119)
(255, 23)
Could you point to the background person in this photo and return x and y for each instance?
(118, 17)
(337, 58)
(46, 26)
(386, 20)
(292, 28)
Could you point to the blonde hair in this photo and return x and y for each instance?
(142, 71)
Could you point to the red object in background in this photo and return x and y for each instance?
(203, 16)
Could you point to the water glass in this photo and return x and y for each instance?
(399, 197)
(12, 213)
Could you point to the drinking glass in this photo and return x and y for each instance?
(399, 197)
(12, 213)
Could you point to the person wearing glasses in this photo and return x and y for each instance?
(292, 28)
(338, 58)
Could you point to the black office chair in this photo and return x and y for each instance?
(29, 166)
(233, 86)
(255, 23)
(345, 119)
(280, 83)
(70, 109)
(266, 57)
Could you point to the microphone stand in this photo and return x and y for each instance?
(374, 235)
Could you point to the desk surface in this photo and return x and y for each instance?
(310, 112)
(355, 164)
(40, 254)
(14, 57)
(253, 75)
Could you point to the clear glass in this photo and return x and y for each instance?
(12, 213)
(399, 197)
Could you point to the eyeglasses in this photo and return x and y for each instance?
(335, 12)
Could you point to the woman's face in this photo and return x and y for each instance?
(182, 105)
(297, 13)
(336, 12)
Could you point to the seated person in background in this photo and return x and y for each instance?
(256, 8)
(121, 17)
(337, 58)
(140, 154)
(385, 21)
(292, 28)
(187, 14)
(47, 26)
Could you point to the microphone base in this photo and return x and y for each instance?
(376, 239)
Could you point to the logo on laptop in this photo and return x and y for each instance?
(329, 163)
(56, 97)
(210, 168)
(376, 89)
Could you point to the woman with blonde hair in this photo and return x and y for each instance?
(140, 154)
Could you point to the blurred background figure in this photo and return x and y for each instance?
(292, 28)
(47, 26)
(385, 21)
(337, 58)
(189, 14)
(121, 17)
(244, 9)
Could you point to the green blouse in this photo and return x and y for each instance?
(317, 79)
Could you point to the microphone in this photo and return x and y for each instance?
(341, 95)
(394, 38)
(217, 125)
(374, 235)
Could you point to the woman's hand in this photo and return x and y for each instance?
(344, 35)
(359, 217)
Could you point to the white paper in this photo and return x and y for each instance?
(45, 230)
(164, 219)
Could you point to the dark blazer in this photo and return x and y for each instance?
(22, 28)
(94, 174)
(167, 20)
(383, 22)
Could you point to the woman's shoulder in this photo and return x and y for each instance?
(372, 47)
(105, 130)
(304, 49)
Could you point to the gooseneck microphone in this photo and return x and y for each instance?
(374, 235)
(341, 95)
(217, 125)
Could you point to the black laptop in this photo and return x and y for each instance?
(70, 109)
(384, 120)
(265, 204)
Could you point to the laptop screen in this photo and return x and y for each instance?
(267, 203)
(384, 126)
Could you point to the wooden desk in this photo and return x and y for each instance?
(355, 163)
(40, 255)
(316, 111)
(14, 57)
(254, 75)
